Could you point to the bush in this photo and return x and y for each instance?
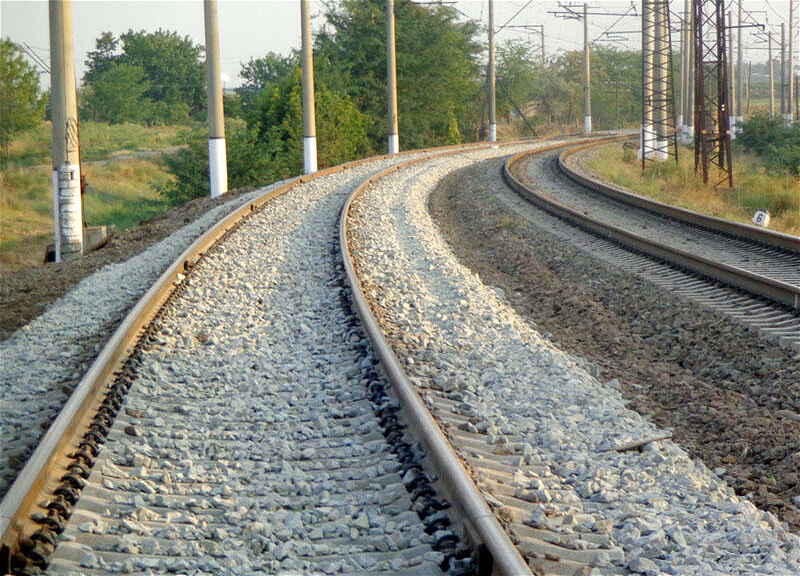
(248, 165)
(769, 138)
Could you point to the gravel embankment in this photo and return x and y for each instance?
(732, 398)
(668, 511)
(249, 442)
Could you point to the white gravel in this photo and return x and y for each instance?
(670, 514)
(39, 358)
(248, 442)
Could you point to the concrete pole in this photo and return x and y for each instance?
(217, 156)
(662, 66)
(740, 98)
(771, 76)
(544, 58)
(791, 96)
(391, 80)
(66, 177)
(684, 66)
(647, 140)
(783, 69)
(309, 114)
(491, 78)
(732, 88)
(587, 75)
(689, 114)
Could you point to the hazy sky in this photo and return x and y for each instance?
(251, 28)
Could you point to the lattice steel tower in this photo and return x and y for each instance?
(659, 137)
(712, 140)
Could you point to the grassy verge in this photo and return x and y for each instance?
(121, 193)
(99, 141)
(754, 187)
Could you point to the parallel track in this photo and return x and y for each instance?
(95, 407)
(139, 501)
(749, 273)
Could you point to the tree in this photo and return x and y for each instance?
(341, 128)
(173, 66)
(260, 73)
(117, 94)
(21, 104)
(519, 74)
(172, 69)
(438, 75)
(100, 59)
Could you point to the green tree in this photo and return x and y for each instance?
(341, 128)
(117, 95)
(173, 72)
(260, 73)
(101, 58)
(173, 66)
(21, 104)
(438, 75)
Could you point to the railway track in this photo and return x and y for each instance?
(748, 273)
(299, 461)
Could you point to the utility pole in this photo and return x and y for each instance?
(747, 87)
(391, 80)
(712, 142)
(732, 85)
(740, 97)
(309, 116)
(791, 97)
(587, 75)
(491, 78)
(783, 69)
(684, 67)
(690, 79)
(648, 137)
(771, 76)
(659, 132)
(66, 177)
(217, 156)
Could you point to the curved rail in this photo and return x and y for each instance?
(756, 284)
(37, 476)
(761, 235)
(41, 473)
(460, 488)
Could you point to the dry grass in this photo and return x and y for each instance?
(121, 193)
(98, 141)
(754, 187)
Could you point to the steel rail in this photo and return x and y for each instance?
(731, 275)
(761, 235)
(456, 482)
(37, 478)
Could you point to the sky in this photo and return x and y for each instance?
(251, 28)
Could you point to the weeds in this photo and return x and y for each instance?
(756, 186)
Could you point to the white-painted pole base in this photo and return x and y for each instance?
(788, 119)
(394, 144)
(648, 142)
(680, 123)
(217, 166)
(310, 154)
(70, 211)
(56, 219)
(587, 124)
(492, 132)
(732, 128)
(662, 146)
